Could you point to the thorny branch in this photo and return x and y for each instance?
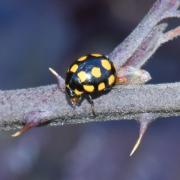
(123, 102)
(143, 103)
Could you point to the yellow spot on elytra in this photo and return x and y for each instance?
(106, 65)
(96, 72)
(74, 68)
(77, 92)
(101, 86)
(96, 55)
(82, 58)
(82, 76)
(88, 88)
(111, 79)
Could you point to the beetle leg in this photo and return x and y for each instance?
(90, 100)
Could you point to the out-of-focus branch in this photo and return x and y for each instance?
(123, 102)
(142, 43)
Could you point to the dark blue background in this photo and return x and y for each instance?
(36, 34)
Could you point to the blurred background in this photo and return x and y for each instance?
(36, 34)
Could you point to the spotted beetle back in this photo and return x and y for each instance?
(91, 74)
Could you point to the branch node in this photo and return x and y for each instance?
(131, 75)
(33, 119)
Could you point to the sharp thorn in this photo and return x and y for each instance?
(143, 128)
(59, 79)
(21, 131)
(16, 134)
(53, 72)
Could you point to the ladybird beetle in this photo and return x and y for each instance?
(89, 76)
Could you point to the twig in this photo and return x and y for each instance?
(170, 35)
(123, 102)
(149, 29)
(147, 48)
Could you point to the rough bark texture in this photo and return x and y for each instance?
(123, 102)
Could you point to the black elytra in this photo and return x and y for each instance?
(90, 75)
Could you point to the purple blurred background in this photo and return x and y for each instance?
(36, 34)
